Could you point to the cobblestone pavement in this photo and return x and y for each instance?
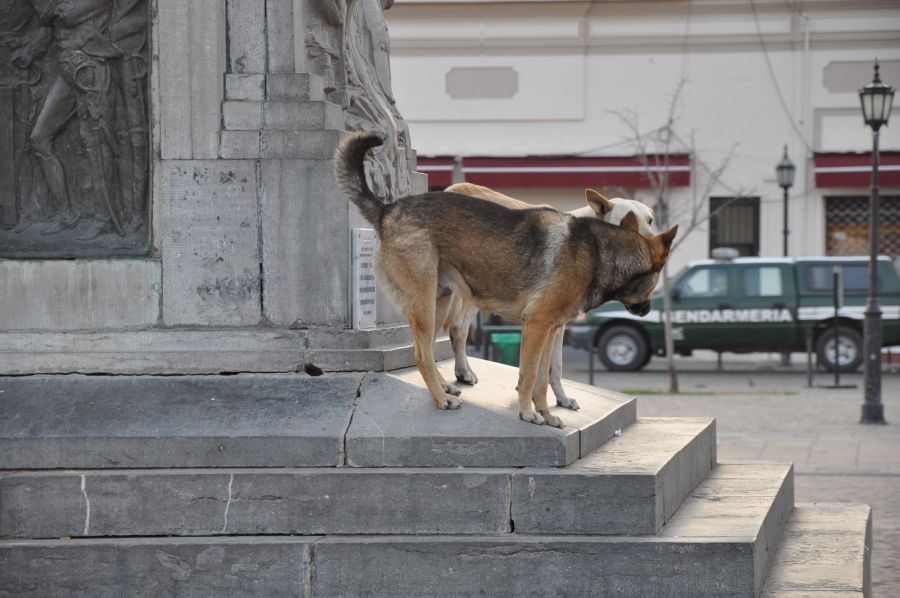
(766, 411)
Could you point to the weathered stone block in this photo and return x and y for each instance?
(189, 421)
(305, 145)
(305, 242)
(79, 294)
(242, 116)
(210, 243)
(286, 53)
(239, 145)
(157, 567)
(175, 86)
(250, 502)
(207, 64)
(246, 36)
(303, 116)
(297, 87)
(531, 566)
(245, 87)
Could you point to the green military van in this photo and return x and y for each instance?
(747, 305)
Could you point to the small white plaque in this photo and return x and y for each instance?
(363, 246)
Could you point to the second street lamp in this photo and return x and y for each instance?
(876, 99)
(784, 173)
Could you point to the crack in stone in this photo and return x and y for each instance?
(228, 504)
(342, 447)
(87, 506)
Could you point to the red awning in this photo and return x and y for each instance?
(558, 172)
(855, 170)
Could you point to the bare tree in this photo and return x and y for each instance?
(655, 151)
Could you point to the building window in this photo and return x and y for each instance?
(847, 226)
(734, 223)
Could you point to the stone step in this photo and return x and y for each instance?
(825, 553)
(292, 116)
(210, 351)
(629, 499)
(746, 499)
(289, 420)
(257, 420)
(712, 547)
(397, 425)
(633, 484)
(210, 502)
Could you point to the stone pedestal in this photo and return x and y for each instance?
(248, 235)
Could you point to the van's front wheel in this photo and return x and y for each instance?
(849, 349)
(623, 349)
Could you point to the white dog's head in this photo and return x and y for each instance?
(613, 210)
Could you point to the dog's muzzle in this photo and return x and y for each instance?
(639, 309)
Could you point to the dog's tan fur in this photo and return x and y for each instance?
(537, 266)
(461, 312)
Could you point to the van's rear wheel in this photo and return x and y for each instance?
(623, 349)
(849, 349)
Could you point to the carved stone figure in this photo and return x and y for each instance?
(22, 41)
(89, 135)
(371, 102)
(347, 45)
(324, 46)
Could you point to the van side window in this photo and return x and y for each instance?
(705, 282)
(764, 281)
(819, 278)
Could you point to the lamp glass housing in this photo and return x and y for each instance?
(784, 172)
(876, 99)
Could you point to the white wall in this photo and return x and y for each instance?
(578, 63)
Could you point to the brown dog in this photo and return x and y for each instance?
(461, 313)
(537, 266)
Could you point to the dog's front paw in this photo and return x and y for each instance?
(448, 402)
(552, 420)
(451, 390)
(532, 417)
(466, 376)
(567, 403)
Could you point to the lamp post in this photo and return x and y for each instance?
(876, 99)
(784, 172)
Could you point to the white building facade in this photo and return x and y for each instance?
(541, 98)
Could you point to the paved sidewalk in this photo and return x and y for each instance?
(765, 411)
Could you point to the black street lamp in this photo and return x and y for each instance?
(876, 99)
(784, 172)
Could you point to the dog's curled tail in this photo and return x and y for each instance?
(350, 173)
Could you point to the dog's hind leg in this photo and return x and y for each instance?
(459, 332)
(534, 341)
(442, 307)
(556, 346)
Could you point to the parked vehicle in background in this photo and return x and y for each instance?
(746, 305)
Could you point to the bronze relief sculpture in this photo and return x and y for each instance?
(73, 143)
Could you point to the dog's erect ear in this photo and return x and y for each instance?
(598, 203)
(669, 236)
(630, 222)
(660, 246)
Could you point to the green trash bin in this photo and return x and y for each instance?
(507, 344)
